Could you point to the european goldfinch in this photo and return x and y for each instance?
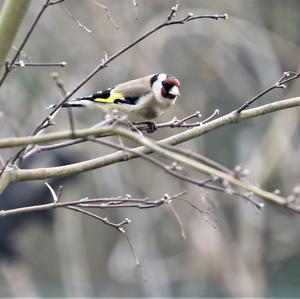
(146, 98)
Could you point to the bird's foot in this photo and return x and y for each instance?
(150, 126)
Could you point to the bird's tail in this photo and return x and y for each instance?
(74, 103)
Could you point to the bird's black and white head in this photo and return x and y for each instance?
(165, 87)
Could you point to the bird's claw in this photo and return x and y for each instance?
(151, 127)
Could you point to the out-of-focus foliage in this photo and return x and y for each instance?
(221, 64)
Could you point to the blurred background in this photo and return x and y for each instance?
(221, 64)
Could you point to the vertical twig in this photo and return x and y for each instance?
(14, 59)
(11, 16)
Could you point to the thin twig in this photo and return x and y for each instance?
(2, 163)
(59, 83)
(22, 174)
(103, 64)
(284, 79)
(79, 24)
(41, 148)
(46, 121)
(199, 157)
(105, 220)
(175, 122)
(206, 183)
(172, 209)
(118, 226)
(230, 118)
(211, 219)
(54, 196)
(110, 18)
(171, 170)
(21, 63)
(61, 86)
(209, 118)
(136, 259)
(53, 2)
(10, 65)
(135, 5)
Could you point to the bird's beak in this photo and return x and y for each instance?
(174, 91)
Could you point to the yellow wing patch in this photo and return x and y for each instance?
(111, 99)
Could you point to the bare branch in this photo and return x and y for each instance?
(79, 24)
(211, 219)
(137, 261)
(99, 203)
(284, 79)
(104, 220)
(26, 174)
(107, 13)
(54, 196)
(135, 5)
(229, 118)
(10, 65)
(173, 11)
(174, 123)
(59, 83)
(103, 64)
(53, 2)
(21, 63)
(172, 209)
(2, 163)
(199, 157)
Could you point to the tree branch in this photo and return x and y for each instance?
(100, 203)
(104, 62)
(11, 16)
(11, 63)
(230, 118)
(149, 146)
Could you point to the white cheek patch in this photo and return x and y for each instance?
(157, 90)
(156, 87)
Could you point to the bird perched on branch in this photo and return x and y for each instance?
(146, 98)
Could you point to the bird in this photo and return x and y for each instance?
(144, 98)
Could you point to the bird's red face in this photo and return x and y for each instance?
(165, 88)
(170, 88)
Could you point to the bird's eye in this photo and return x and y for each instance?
(167, 85)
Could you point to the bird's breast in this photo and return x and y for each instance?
(149, 108)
